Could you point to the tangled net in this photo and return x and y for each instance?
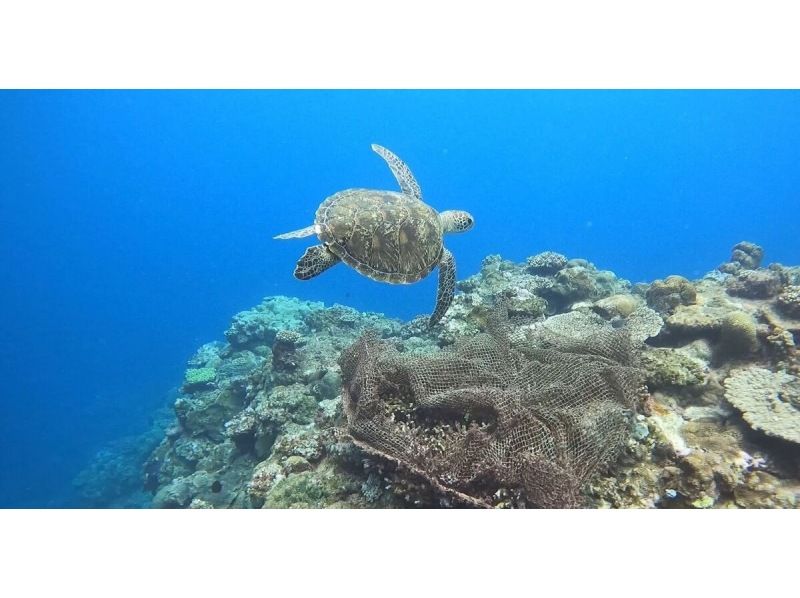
(535, 413)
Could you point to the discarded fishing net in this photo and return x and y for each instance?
(530, 415)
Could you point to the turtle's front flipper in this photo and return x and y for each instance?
(297, 234)
(408, 184)
(315, 261)
(447, 286)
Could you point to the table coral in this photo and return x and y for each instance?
(198, 378)
(760, 395)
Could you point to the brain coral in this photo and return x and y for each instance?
(763, 398)
(738, 333)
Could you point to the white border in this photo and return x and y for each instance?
(402, 44)
(410, 552)
(412, 43)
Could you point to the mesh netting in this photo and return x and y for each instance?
(535, 412)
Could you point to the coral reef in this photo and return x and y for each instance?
(279, 415)
(261, 435)
(546, 284)
(258, 327)
(114, 476)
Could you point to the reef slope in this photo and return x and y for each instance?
(709, 418)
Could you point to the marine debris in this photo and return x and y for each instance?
(549, 383)
(508, 417)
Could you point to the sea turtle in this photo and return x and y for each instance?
(385, 235)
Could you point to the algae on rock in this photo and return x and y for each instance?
(669, 367)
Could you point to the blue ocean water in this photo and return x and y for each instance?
(135, 224)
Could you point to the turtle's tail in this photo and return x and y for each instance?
(297, 234)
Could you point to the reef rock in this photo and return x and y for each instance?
(788, 301)
(666, 295)
(545, 263)
(620, 305)
(755, 284)
(745, 255)
(669, 368)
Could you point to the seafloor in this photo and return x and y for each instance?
(548, 383)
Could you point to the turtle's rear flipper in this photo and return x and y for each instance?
(447, 286)
(297, 234)
(315, 261)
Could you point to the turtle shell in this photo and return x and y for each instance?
(385, 235)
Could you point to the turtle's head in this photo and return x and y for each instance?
(456, 221)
